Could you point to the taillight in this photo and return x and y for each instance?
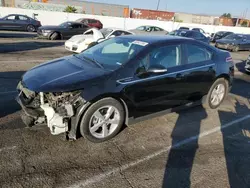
(39, 23)
(229, 59)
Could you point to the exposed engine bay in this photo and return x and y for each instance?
(55, 109)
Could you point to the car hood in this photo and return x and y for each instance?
(77, 38)
(60, 75)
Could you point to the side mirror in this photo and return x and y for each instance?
(157, 70)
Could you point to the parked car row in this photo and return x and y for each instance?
(19, 22)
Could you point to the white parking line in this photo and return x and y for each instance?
(104, 175)
(7, 92)
(7, 148)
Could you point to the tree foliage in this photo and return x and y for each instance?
(227, 15)
(70, 9)
(244, 23)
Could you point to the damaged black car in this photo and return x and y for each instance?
(121, 80)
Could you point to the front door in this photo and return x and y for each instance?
(9, 23)
(157, 84)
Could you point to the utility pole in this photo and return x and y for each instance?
(158, 4)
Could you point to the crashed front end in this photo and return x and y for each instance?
(54, 109)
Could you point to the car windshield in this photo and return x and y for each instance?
(221, 33)
(234, 37)
(114, 52)
(65, 24)
(106, 32)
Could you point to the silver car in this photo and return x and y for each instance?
(149, 30)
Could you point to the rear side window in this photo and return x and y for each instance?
(76, 26)
(248, 37)
(197, 54)
(197, 35)
(23, 18)
(92, 21)
(158, 29)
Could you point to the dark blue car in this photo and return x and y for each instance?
(121, 80)
(234, 42)
(18, 22)
(191, 34)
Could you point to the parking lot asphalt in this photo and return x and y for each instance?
(191, 148)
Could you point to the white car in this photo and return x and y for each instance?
(79, 43)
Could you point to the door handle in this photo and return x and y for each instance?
(179, 76)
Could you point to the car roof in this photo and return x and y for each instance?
(17, 15)
(155, 38)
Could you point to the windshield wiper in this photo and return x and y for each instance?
(93, 61)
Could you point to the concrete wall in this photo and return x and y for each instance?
(55, 18)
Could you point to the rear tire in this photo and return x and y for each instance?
(54, 36)
(103, 120)
(209, 100)
(31, 28)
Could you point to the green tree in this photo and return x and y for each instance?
(227, 15)
(244, 23)
(70, 9)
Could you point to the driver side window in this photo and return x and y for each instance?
(165, 57)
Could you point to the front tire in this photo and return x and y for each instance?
(54, 36)
(27, 120)
(216, 94)
(103, 120)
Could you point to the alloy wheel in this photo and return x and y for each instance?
(104, 121)
(218, 94)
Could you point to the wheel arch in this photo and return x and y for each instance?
(85, 107)
(58, 32)
(225, 76)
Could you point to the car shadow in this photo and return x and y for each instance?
(181, 159)
(26, 46)
(8, 83)
(19, 34)
(241, 66)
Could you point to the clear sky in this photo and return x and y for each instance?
(210, 7)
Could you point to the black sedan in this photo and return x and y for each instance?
(191, 34)
(17, 22)
(62, 31)
(120, 80)
(220, 35)
(234, 42)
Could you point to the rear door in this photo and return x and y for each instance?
(200, 70)
(22, 22)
